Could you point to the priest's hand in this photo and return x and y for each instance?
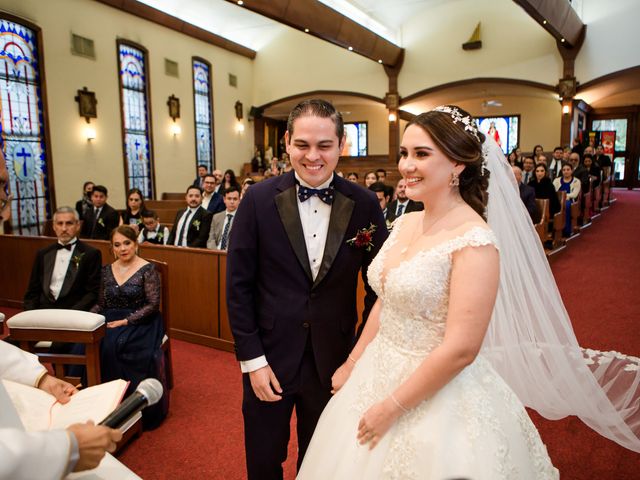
(93, 442)
(265, 384)
(58, 388)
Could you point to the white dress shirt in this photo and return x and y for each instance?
(404, 206)
(60, 267)
(206, 199)
(314, 216)
(183, 241)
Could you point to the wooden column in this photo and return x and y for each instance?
(392, 101)
(567, 86)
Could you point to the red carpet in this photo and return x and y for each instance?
(597, 275)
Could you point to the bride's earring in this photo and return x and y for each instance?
(455, 180)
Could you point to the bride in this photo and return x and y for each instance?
(455, 345)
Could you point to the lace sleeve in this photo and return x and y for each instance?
(152, 291)
(474, 237)
(99, 307)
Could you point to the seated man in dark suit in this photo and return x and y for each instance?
(382, 192)
(202, 172)
(65, 274)
(211, 199)
(402, 204)
(102, 219)
(528, 196)
(191, 226)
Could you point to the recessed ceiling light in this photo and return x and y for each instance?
(306, 30)
(562, 40)
(240, 2)
(351, 49)
(379, 60)
(544, 22)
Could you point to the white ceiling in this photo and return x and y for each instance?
(252, 30)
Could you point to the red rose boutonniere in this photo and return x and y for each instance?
(363, 238)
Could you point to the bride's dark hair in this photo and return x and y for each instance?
(461, 146)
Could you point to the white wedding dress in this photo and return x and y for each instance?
(475, 427)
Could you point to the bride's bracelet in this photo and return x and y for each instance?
(351, 359)
(398, 404)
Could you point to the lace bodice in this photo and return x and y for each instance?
(415, 293)
(140, 293)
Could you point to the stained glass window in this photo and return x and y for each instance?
(504, 130)
(135, 116)
(22, 127)
(356, 144)
(202, 102)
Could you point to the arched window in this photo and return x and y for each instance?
(136, 120)
(203, 113)
(22, 125)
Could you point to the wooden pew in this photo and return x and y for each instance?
(542, 227)
(559, 220)
(197, 310)
(173, 196)
(165, 204)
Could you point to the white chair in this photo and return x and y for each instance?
(56, 325)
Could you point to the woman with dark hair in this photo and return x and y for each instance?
(415, 389)
(593, 168)
(135, 206)
(352, 177)
(370, 178)
(84, 204)
(130, 301)
(514, 158)
(544, 188)
(537, 151)
(571, 185)
(229, 180)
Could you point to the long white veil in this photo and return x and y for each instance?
(530, 340)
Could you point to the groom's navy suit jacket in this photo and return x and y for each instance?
(273, 302)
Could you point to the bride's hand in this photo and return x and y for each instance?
(376, 422)
(340, 376)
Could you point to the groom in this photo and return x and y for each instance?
(291, 285)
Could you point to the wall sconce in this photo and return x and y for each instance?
(90, 133)
(238, 107)
(392, 117)
(175, 129)
(239, 127)
(566, 109)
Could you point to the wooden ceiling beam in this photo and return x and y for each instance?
(327, 24)
(558, 18)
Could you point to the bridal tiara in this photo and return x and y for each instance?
(457, 116)
(469, 123)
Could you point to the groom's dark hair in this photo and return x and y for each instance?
(316, 108)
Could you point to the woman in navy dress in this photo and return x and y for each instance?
(130, 301)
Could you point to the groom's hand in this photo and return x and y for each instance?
(265, 384)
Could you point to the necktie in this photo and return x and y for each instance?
(400, 210)
(324, 194)
(96, 215)
(68, 246)
(184, 229)
(225, 233)
(526, 177)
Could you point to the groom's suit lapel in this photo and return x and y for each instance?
(287, 205)
(341, 211)
(49, 261)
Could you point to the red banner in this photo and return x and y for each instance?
(608, 140)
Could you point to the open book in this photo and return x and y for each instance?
(39, 410)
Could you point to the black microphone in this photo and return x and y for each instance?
(149, 392)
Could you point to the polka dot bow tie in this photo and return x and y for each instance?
(324, 194)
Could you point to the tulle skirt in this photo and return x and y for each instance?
(473, 428)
